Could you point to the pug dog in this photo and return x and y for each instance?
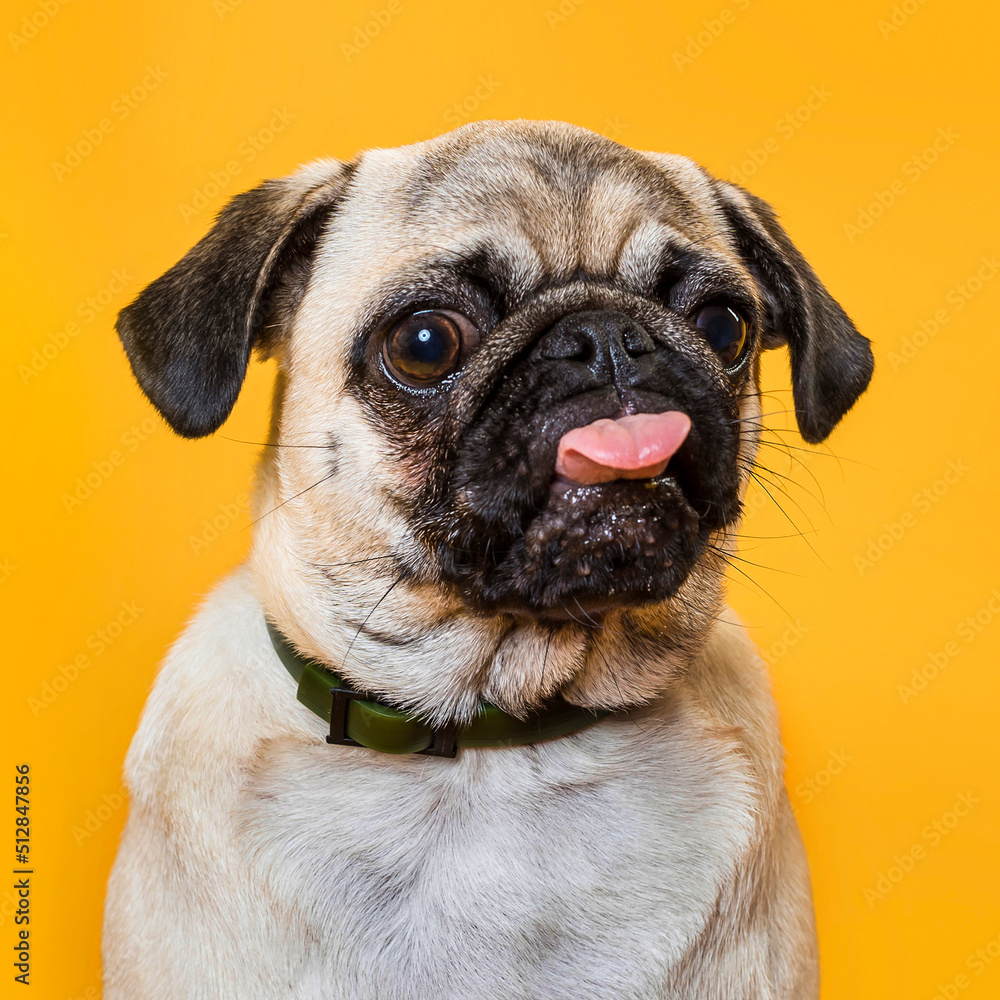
(474, 721)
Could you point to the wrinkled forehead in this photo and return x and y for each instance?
(553, 199)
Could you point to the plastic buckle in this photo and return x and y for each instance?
(342, 696)
(443, 741)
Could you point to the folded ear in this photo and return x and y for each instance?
(189, 334)
(831, 362)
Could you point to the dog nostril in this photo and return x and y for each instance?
(637, 341)
(567, 345)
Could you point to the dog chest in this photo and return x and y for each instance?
(596, 859)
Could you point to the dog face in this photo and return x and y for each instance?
(444, 315)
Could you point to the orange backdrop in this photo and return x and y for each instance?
(870, 126)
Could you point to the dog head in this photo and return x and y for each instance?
(448, 319)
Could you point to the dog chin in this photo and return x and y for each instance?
(592, 549)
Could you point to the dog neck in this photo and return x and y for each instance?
(443, 666)
(356, 718)
(341, 600)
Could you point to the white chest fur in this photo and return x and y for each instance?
(630, 860)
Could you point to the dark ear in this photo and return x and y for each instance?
(831, 362)
(188, 336)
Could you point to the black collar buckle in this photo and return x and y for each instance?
(443, 740)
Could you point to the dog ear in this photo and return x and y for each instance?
(831, 362)
(189, 334)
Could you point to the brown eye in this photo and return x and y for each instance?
(428, 346)
(725, 330)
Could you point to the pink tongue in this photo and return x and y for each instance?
(634, 447)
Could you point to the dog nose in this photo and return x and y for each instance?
(605, 340)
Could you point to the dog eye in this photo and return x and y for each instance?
(428, 346)
(725, 330)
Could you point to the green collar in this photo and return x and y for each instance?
(358, 719)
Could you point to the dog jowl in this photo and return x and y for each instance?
(516, 414)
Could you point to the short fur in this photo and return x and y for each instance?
(410, 541)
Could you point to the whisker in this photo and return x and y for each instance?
(577, 620)
(769, 596)
(579, 608)
(757, 417)
(822, 452)
(696, 610)
(788, 518)
(353, 562)
(545, 659)
(272, 444)
(778, 488)
(611, 671)
(798, 461)
(728, 556)
(769, 538)
(399, 579)
(290, 499)
(820, 500)
(773, 393)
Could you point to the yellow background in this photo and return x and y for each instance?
(871, 767)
